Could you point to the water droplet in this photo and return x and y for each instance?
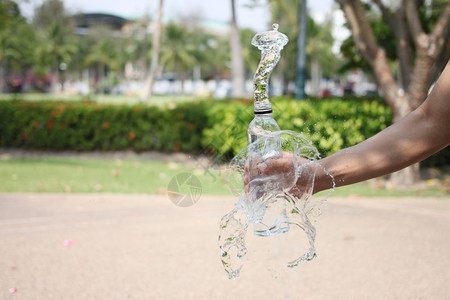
(275, 26)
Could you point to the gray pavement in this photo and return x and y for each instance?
(144, 247)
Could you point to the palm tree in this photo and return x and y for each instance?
(237, 61)
(102, 56)
(136, 47)
(212, 54)
(251, 55)
(155, 55)
(178, 50)
(8, 50)
(56, 45)
(285, 14)
(323, 61)
(319, 40)
(16, 41)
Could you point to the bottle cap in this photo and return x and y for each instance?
(262, 112)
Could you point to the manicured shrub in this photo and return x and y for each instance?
(214, 126)
(87, 126)
(330, 124)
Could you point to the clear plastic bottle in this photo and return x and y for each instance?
(272, 222)
(262, 125)
(273, 212)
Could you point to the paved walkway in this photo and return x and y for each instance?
(144, 247)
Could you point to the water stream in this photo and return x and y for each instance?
(272, 202)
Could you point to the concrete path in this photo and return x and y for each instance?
(144, 247)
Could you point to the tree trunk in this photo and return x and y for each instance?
(316, 77)
(300, 68)
(2, 77)
(148, 88)
(440, 64)
(55, 76)
(404, 50)
(237, 60)
(406, 177)
(183, 81)
(415, 77)
(398, 25)
(101, 77)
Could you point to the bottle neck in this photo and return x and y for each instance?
(265, 113)
(262, 108)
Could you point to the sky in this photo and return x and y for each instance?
(216, 10)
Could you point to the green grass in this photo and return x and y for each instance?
(94, 175)
(85, 175)
(364, 190)
(156, 100)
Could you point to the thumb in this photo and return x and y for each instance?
(263, 167)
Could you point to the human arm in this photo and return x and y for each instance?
(415, 137)
(418, 135)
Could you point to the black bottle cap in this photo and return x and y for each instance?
(262, 112)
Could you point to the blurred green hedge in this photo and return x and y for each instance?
(87, 126)
(214, 126)
(331, 124)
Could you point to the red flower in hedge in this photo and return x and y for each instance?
(106, 125)
(35, 124)
(50, 123)
(245, 101)
(24, 136)
(190, 126)
(61, 125)
(132, 135)
(176, 147)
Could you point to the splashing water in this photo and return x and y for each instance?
(272, 200)
(270, 43)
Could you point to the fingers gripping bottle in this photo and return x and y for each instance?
(270, 43)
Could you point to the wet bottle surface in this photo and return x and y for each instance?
(262, 125)
(274, 220)
(267, 202)
(270, 43)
